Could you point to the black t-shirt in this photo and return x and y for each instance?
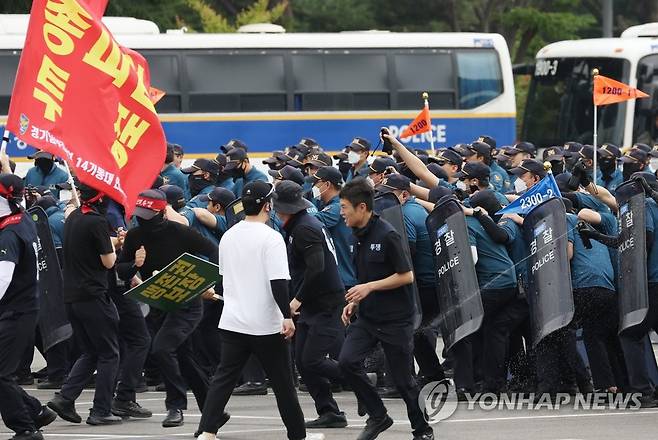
(18, 245)
(86, 238)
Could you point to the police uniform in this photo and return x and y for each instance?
(18, 318)
(174, 176)
(384, 317)
(37, 177)
(499, 178)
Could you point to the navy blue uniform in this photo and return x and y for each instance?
(252, 175)
(174, 176)
(36, 177)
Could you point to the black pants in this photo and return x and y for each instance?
(426, 336)
(315, 338)
(359, 342)
(207, 343)
(555, 353)
(57, 358)
(633, 341)
(95, 328)
(135, 342)
(18, 409)
(172, 350)
(598, 314)
(273, 351)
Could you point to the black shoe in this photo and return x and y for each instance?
(45, 417)
(109, 419)
(28, 435)
(65, 409)
(427, 435)
(41, 374)
(647, 401)
(374, 427)
(160, 387)
(388, 392)
(222, 421)
(328, 420)
(25, 380)
(130, 409)
(141, 387)
(50, 384)
(251, 389)
(174, 418)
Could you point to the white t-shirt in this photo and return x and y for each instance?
(251, 254)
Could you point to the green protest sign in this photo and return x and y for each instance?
(180, 282)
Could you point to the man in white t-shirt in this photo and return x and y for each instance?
(256, 318)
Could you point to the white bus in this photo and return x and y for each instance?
(559, 106)
(271, 89)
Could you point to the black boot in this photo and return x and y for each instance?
(174, 418)
(65, 409)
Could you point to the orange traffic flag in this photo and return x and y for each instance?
(608, 91)
(421, 124)
(155, 95)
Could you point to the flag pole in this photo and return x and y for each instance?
(5, 141)
(426, 97)
(595, 72)
(74, 191)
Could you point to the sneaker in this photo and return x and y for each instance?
(647, 401)
(130, 409)
(251, 389)
(96, 420)
(45, 417)
(28, 435)
(65, 409)
(427, 435)
(328, 420)
(374, 427)
(174, 418)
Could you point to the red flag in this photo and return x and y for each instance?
(81, 96)
(421, 124)
(609, 91)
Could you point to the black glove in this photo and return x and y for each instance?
(461, 194)
(577, 173)
(650, 192)
(586, 231)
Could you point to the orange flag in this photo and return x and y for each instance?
(155, 95)
(608, 91)
(421, 124)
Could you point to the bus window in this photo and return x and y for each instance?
(425, 72)
(645, 123)
(165, 76)
(480, 78)
(235, 82)
(8, 68)
(331, 81)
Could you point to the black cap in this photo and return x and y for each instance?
(572, 148)
(150, 203)
(609, 150)
(174, 194)
(178, 150)
(396, 181)
(234, 143)
(221, 160)
(522, 147)
(319, 160)
(529, 166)
(474, 170)
(487, 140)
(462, 149)
(220, 195)
(562, 181)
(587, 152)
(235, 156)
(641, 146)
(479, 148)
(359, 144)
(553, 153)
(635, 155)
(288, 173)
(42, 155)
(449, 155)
(309, 143)
(295, 158)
(341, 157)
(438, 192)
(437, 170)
(209, 166)
(11, 187)
(380, 164)
(289, 198)
(255, 194)
(328, 174)
(274, 158)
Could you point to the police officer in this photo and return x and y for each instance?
(633, 161)
(288, 172)
(610, 177)
(556, 156)
(202, 176)
(386, 308)
(499, 178)
(179, 154)
(357, 156)
(173, 175)
(318, 301)
(316, 161)
(451, 162)
(19, 306)
(378, 170)
(242, 171)
(45, 172)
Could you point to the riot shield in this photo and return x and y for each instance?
(550, 296)
(632, 260)
(388, 207)
(457, 290)
(234, 213)
(54, 325)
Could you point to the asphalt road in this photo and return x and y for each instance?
(256, 417)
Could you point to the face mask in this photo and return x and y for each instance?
(197, 183)
(473, 189)
(629, 168)
(519, 186)
(316, 192)
(653, 164)
(155, 224)
(353, 157)
(461, 185)
(65, 195)
(5, 210)
(45, 165)
(607, 166)
(557, 166)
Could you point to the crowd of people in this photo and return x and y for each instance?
(317, 290)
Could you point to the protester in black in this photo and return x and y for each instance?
(386, 308)
(19, 307)
(318, 300)
(88, 255)
(150, 247)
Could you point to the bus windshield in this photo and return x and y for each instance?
(559, 106)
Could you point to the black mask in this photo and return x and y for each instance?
(156, 224)
(44, 164)
(629, 168)
(344, 167)
(197, 183)
(237, 172)
(570, 162)
(473, 189)
(607, 166)
(557, 167)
